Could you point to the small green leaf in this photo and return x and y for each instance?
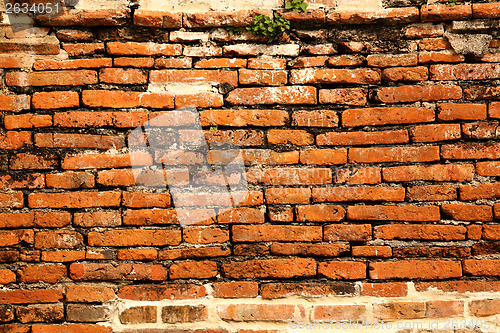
(288, 5)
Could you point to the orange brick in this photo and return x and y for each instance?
(295, 137)
(27, 121)
(345, 96)
(468, 111)
(391, 60)
(476, 150)
(193, 270)
(385, 116)
(67, 140)
(65, 239)
(320, 118)
(363, 138)
(389, 289)
(273, 95)
(439, 56)
(320, 213)
(358, 176)
(134, 48)
(236, 289)
(266, 233)
(51, 78)
(420, 231)
(437, 172)
(49, 274)
(417, 93)
(415, 269)
(270, 268)
(467, 212)
(129, 237)
(399, 310)
(348, 232)
(342, 270)
(482, 267)
(74, 199)
(126, 99)
(442, 12)
(201, 100)
(43, 65)
(308, 249)
(394, 154)
(205, 235)
(323, 156)
(372, 251)
(70, 180)
(329, 76)
(29, 161)
(288, 195)
(396, 213)
(262, 77)
(396, 74)
(433, 133)
(221, 63)
(14, 103)
(122, 76)
(431, 193)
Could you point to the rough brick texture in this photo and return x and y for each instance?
(370, 166)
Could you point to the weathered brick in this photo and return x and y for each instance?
(396, 213)
(342, 270)
(168, 76)
(397, 74)
(418, 93)
(437, 172)
(391, 60)
(372, 251)
(205, 235)
(88, 294)
(329, 76)
(307, 249)
(394, 154)
(415, 269)
(273, 95)
(475, 150)
(442, 12)
(15, 140)
(345, 96)
(14, 103)
(439, 56)
(347, 232)
(70, 328)
(323, 156)
(40, 314)
(358, 193)
(467, 111)
(129, 237)
(467, 212)
(320, 118)
(51, 78)
(172, 314)
(433, 133)
(67, 140)
(483, 267)
(431, 193)
(399, 310)
(49, 274)
(106, 271)
(367, 16)
(288, 195)
(74, 199)
(240, 118)
(279, 290)
(193, 270)
(363, 138)
(320, 213)
(64, 239)
(266, 233)
(261, 312)
(482, 191)
(262, 77)
(237, 289)
(35, 296)
(388, 289)
(270, 268)
(126, 99)
(420, 231)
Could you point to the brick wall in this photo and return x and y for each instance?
(369, 136)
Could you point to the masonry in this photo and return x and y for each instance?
(369, 138)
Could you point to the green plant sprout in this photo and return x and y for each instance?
(214, 128)
(453, 2)
(265, 26)
(233, 30)
(296, 5)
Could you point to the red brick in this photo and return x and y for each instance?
(273, 95)
(14, 103)
(35, 296)
(43, 65)
(266, 233)
(122, 76)
(97, 219)
(433, 133)
(102, 161)
(280, 290)
(107, 271)
(15, 140)
(367, 16)
(270, 268)
(481, 92)
(13, 200)
(391, 60)
(55, 100)
(129, 237)
(167, 76)
(329, 76)
(205, 235)
(389, 289)
(162, 292)
(308, 249)
(241, 118)
(202, 252)
(70, 180)
(348, 232)
(294, 137)
(485, 10)
(74, 199)
(357, 176)
(465, 72)
(320, 118)
(62, 256)
(467, 212)
(394, 154)
(483, 191)
(342, 270)
(126, 99)
(421, 30)
(242, 215)
(420, 231)
(323, 156)
(73, 35)
(138, 254)
(201, 100)
(443, 172)
(364, 193)
(138, 315)
(139, 199)
(261, 312)
(417, 93)
(288, 195)
(193, 270)
(83, 48)
(372, 251)
(221, 63)
(266, 63)
(134, 48)
(345, 96)
(15, 237)
(51, 78)
(482, 267)
(431, 193)
(434, 44)
(362, 138)
(100, 119)
(346, 60)
(34, 274)
(396, 213)
(158, 19)
(491, 231)
(443, 12)
(88, 294)
(14, 62)
(431, 252)
(467, 111)
(415, 269)
(70, 328)
(67, 140)
(44, 313)
(444, 309)
(320, 213)
(64, 239)
(27, 121)
(238, 289)
(399, 310)
(475, 150)
(304, 62)
(7, 276)
(405, 74)
(133, 62)
(480, 130)
(439, 56)
(461, 287)
(484, 307)
(262, 77)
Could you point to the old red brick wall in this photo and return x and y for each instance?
(370, 140)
